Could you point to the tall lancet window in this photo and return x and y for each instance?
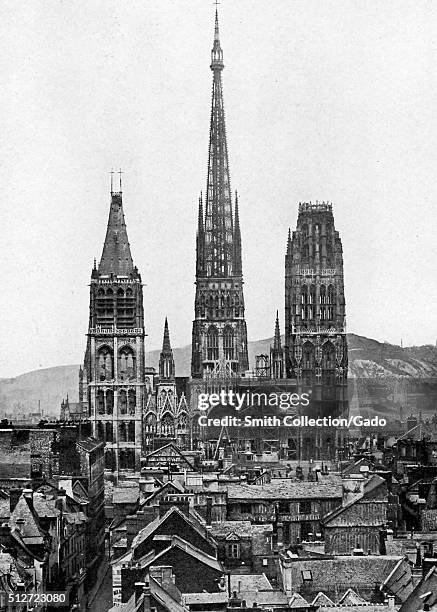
(212, 345)
(126, 363)
(105, 364)
(228, 343)
(331, 301)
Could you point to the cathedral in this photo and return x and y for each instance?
(135, 409)
(112, 381)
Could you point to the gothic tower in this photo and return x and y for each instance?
(115, 353)
(219, 343)
(315, 321)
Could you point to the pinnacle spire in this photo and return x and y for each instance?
(277, 340)
(166, 347)
(289, 242)
(116, 255)
(166, 361)
(238, 267)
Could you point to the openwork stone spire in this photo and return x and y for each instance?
(218, 245)
(219, 346)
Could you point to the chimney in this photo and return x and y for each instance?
(391, 602)
(14, 496)
(139, 586)
(208, 511)
(147, 598)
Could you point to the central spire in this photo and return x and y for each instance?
(219, 228)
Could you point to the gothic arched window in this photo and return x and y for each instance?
(308, 356)
(109, 401)
(131, 431)
(126, 363)
(328, 356)
(105, 364)
(228, 343)
(304, 301)
(322, 300)
(122, 432)
(100, 402)
(331, 301)
(122, 402)
(212, 344)
(167, 425)
(109, 432)
(131, 401)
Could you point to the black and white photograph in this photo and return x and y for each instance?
(218, 320)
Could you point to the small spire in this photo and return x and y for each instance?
(200, 222)
(277, 341)
(289, 242)
(216, 26)
(112, 180)
(237, 212)
(120, 173)
(166, 340)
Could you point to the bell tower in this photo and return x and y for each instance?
(113, 375)
(219, 342)
(315, 320)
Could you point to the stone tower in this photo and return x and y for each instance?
(315, 321)
(113, 375)
(219, 342)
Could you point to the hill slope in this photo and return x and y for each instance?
(368, 359)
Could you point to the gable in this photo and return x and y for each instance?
(174, 522)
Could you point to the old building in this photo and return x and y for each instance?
(192, 553)
(112, 382)
(219, 344)
(359, 523)
(315, 322)
(296, 507)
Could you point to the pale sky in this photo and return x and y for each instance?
(331, 100)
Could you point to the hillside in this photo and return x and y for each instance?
(404, 373)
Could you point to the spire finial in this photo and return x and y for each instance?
(216, 53)
(112, 180)
(120, 173)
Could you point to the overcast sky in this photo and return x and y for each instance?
(325, 100)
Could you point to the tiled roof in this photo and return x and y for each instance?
(205, 598)
(297, 601)
(29, 530)
(342, 572)
(193, 551)
(350, 598)
(150, 529)
(250, 582)
(322, 600)
(125, 495)
(241, 528)
(285, 488)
